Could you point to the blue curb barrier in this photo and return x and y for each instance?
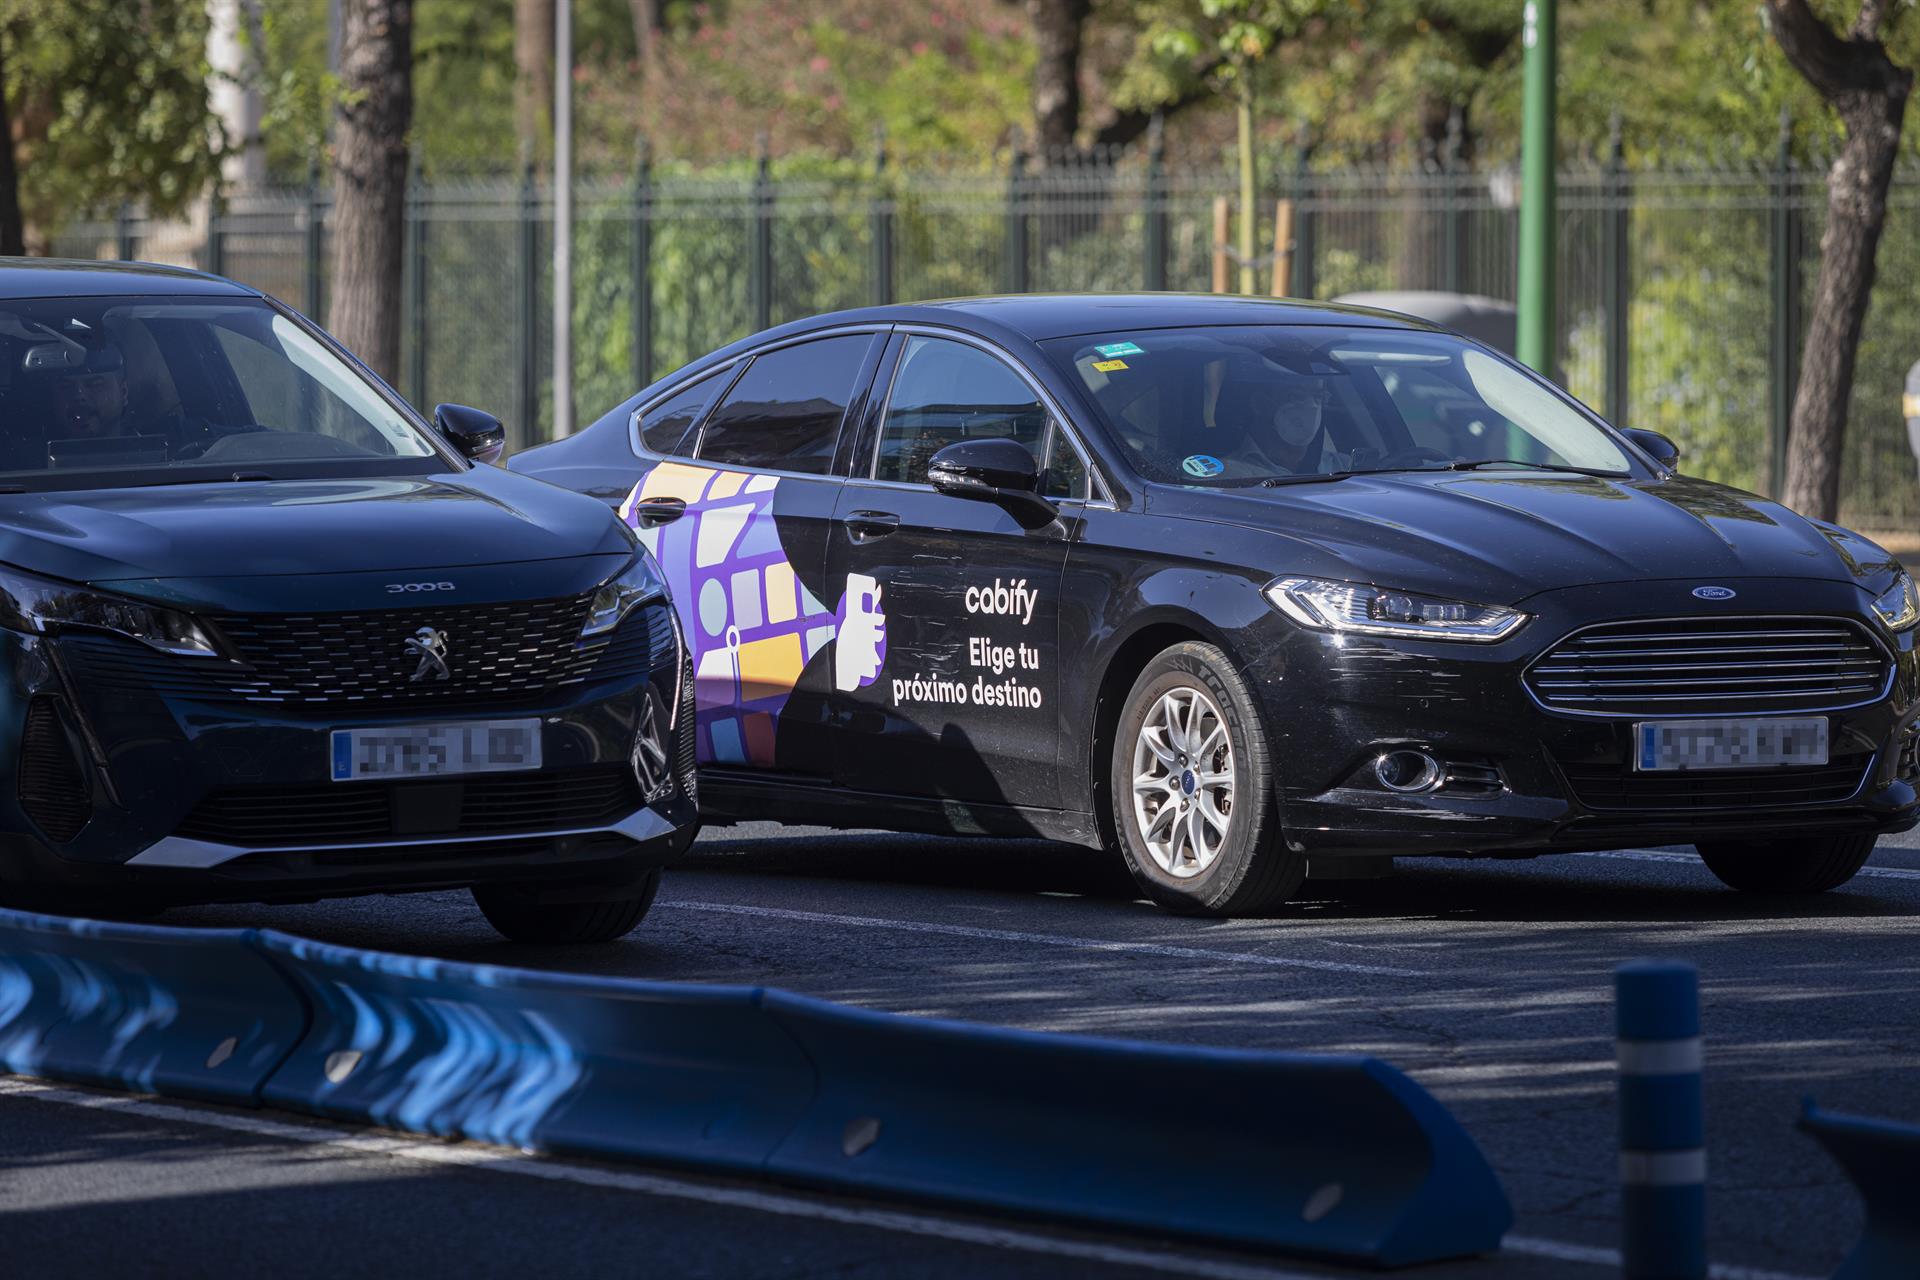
(1663, 1159)
(678, 1073)
(1882, 1159)
(1326, 1156)
(192, 1012)
(1338, 1157)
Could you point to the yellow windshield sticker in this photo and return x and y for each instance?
(1108, 366)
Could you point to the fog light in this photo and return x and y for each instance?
(1408, 771)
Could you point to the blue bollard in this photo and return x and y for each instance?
(1663, 1159)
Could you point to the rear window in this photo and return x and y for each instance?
(667, 427)
(784, 413)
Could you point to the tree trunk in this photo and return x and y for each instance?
(1057, 29)
(1870, 93)
(532, 75)
(374, 115)
(13, 232)
(649, 21)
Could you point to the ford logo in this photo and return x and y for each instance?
(1715, 593)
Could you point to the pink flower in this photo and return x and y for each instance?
(819, 64)
(919, 48)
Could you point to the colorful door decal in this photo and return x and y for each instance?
(749, 619)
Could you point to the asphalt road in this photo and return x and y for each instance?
(1489, 982)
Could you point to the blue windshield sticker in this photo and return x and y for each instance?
(1203, 465)
(1112, 349)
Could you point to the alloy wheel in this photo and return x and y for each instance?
(1183, 780)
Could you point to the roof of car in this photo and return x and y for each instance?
(1059, 315)
(65, 278)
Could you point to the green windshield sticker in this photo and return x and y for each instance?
(1112, 349)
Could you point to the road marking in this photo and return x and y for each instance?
(1693, 860)
(1044, 939)
(469, 1155)
(498, 1160)
(1602, 1257)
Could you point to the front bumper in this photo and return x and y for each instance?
(159, 794)
(1335, 702)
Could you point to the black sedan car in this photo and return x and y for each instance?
(266, 635)
(1239, 588)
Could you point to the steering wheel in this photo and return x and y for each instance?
(1412, 454)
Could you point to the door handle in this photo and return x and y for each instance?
(658, 511)
(865, 526)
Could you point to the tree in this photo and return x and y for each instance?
(104, 101)
(532, 74)
(1868, 91)
(373, 116)
(1233, 38)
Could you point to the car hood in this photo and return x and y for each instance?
(301, 527)
(1502, 538)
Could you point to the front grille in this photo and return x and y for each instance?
(1617, 786)
(1477, 776)
(496, 655)
(1711, 666)
(52, 785)
(343, 812)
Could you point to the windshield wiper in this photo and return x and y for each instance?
(1274, 482)
(1477, 463)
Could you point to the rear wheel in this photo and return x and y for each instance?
(1192, 798)
(1787, 866)
(516, 912)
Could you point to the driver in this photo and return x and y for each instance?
(1276, 426)
(90, 398)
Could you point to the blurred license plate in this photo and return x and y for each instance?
(435, 750)
(1666, 745)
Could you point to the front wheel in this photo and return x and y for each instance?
(1787, 866)
(517, 913)
(1192, 798)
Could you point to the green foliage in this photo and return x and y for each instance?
(109, 101)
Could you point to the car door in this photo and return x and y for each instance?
(738, 516)
(947, 665)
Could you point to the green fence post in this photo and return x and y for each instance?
(1537, 344)
(880, 222)
(1614, 250)
(415, 309)
(1017, 266)
(640, 267)
(315, 246)
(217, 233)
(1155, 212)
(1783, 347)
(760, 262)
(526, 376)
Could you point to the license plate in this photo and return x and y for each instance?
(1667, 745)
(435, 750)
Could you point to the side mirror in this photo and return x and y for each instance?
(1662, 450)
(999, 471)
(477, 435)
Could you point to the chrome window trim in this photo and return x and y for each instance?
(639, 447)
(1892, 660)
(1098, 496)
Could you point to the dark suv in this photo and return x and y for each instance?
(267, 635)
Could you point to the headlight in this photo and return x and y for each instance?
(638, 583)
(1899, 608)
(41, 605)
(1379, 611)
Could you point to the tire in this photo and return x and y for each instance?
(1184, 859)
(1787, 866)
(512, 910)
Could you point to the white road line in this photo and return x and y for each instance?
(1692, 860)
(1600, 1257)
(1044, 939)
(497, 1160)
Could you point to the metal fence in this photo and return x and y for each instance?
(1682, 291)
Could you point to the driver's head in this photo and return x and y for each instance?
(1299, 407)
(90, 398)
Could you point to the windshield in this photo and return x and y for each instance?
(133, 391)
(1249, 405)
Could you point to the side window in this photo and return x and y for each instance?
(784, 413)
(665, 427)
(947, 391)
(1065, 475)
